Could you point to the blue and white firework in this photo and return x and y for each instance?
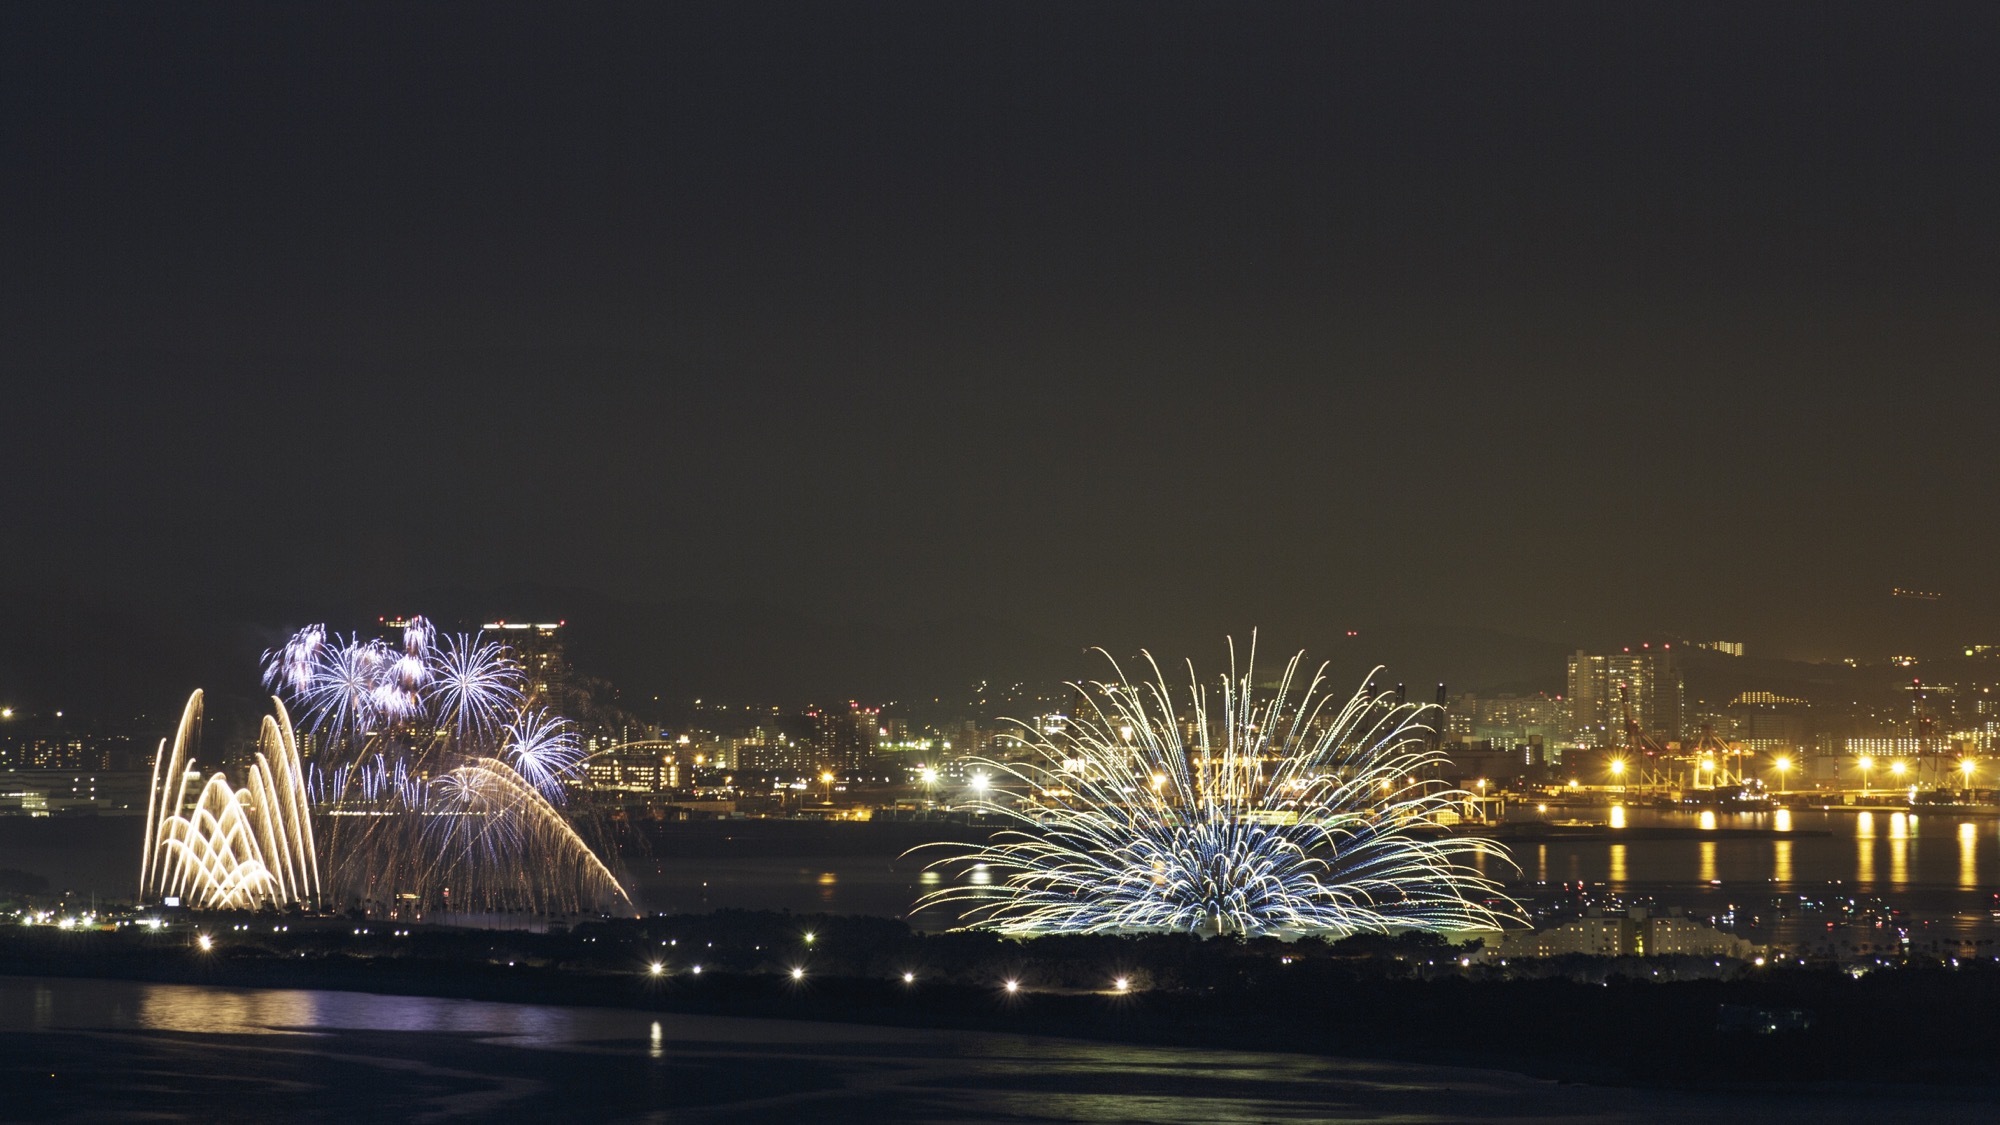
(544, 749)
(475, 686)
(336, 683)
(1214, 810)
(440, 779)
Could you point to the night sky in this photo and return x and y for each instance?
(1105, 322)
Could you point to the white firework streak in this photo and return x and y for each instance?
(543, 748)
(474, 686)
(1243, 816)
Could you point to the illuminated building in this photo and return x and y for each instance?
(1509, 720)
(1766, 722)
(539, 651)
(641, 767)
(1635, 933)
(1645, 684)
(846, 738)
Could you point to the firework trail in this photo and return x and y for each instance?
(1213, 810)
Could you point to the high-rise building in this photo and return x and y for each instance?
(539, 650)
(847, 737)
(1606, 687)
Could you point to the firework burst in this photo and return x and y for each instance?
(474, 686)
(436, 782)
(544, 749)
(1214, 810)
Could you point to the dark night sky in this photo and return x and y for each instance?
(1103, 321)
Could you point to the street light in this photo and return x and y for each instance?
(1967, 767)
(1783, 766)
(1898, 768)
(1864, 763)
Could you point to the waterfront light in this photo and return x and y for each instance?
(205, 942)
(1122, 984)
(1967, 767)
(809, 937)
(1013, 986)
(656, 968)
(1617, 767)
(1898, 768)
(929, 774)
(798, 974)
(909, 978)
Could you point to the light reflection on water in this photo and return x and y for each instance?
(854, 1072)
(1873, 851)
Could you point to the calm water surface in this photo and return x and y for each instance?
(81, 1050)
(1938, 862)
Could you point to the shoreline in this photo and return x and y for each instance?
(1620, 1034)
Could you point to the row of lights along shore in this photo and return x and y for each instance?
(206, 943)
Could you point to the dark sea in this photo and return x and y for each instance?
(93, 1051)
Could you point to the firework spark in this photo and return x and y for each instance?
(474, 686)
(497, 839)
(1212, 810)
(543, 748)
(229, 848)
(436, 783)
